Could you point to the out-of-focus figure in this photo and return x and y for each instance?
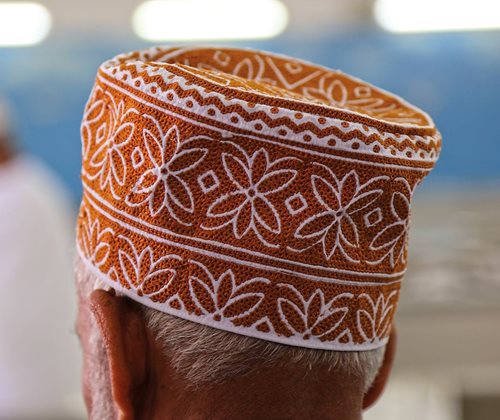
(38, 352)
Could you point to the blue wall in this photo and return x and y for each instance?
(454, 77)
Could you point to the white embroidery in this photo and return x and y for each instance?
(334, 227)
(208, 181)
(137, 158)
(296, 204)
(335, 93)
(373, 218)
(94, 243)
(288, 85)
(264, 321)
(162, 186)
(322, 141)
(222, 58)
(94, 111)
(329, 274)
(249, 207)
(330, 88)
(344, 339)
(393, 238)
(251, 195)
(108, 159)
(306, 319)
(293, 67)
(378, 318)
(220, 297)
(174, 301)
(141, 270)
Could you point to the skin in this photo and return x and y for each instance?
(144, 385)
(6, 149)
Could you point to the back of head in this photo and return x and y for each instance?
(205, 359)
(205, 355)
(255, 209)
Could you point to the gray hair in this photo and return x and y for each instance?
(204, 355)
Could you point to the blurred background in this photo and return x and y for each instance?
(441, 55)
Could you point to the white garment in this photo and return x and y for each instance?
(39, 355)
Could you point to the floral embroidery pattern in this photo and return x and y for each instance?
(94, 241)
(333, 92)
(313, 316)
(108, 157)
(251, 192)
(162, 186)
(220, 297)
(393, 238)
(142, 273)
(334, 227)
(285, 77)
(249, 207)
(376, 322)
(93, 113)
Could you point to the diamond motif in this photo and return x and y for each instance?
(208, 181)
(296, 204)
(293, 67)
(373, 218)
(137, 158)
(362, 91)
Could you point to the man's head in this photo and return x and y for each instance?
(139, 361)
(250, 213)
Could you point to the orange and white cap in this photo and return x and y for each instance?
(252, 192)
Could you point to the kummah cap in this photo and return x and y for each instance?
(252, 192)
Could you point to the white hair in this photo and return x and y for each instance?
(204, 355)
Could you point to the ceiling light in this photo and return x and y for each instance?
(186, 20)
(437, 15)
(23, 23)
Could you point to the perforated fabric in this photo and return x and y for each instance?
(252, 192)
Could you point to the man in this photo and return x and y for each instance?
(6, 147)
(36, 344)
(242, 236)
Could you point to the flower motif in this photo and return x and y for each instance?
(108, 159)
(312, 317)
(393, 238)
(249, 207)
(93, 113)
(221, 298)
(374, 324)
(142, 273)
(162, 185)
(333, 92)
(334, 227)
(94, 242)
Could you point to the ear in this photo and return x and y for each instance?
(378, 386)
(124, 334)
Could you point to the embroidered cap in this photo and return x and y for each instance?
(252, 192)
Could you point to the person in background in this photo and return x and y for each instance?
(38, 352)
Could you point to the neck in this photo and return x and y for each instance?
(289, 391)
